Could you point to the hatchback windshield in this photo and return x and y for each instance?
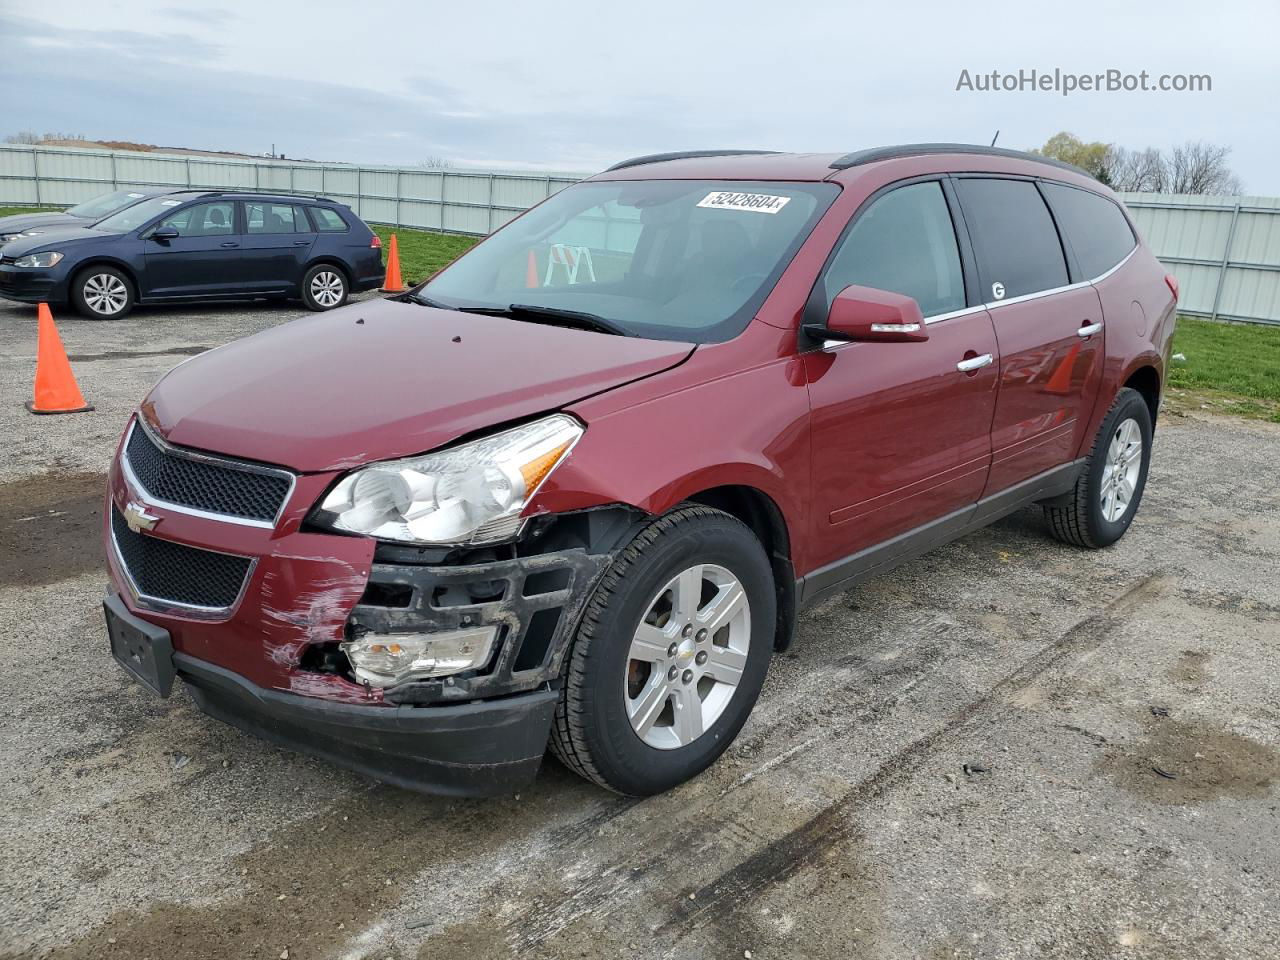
(105, 205)
(130, 218)
(666, 259)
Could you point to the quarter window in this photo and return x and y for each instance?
(1099, 234)
(328, 221)
(903, 242)
(1013, 236)
(202, 220)
(273, 218)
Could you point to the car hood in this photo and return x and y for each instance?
(26, 221)
(384, 379)
(55, 237)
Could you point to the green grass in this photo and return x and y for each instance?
(423, 253)
(1229, 358)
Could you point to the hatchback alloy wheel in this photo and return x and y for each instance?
(106, 294)
(327, 288)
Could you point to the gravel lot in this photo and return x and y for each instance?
(1011, 748)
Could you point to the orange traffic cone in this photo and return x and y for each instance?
(393, 283)
(1060, 380)
(56, 390)
(531, 274)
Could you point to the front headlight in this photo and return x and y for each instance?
(469, 494)
(47, 259)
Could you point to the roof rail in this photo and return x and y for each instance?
(685, 155)
(859, 157)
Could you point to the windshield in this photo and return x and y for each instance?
(102, 206)
(130, 218)
(686, 260)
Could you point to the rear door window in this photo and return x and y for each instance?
(1014, 237)
(1098, 232)
(904, 242)
(272, 218)
(328, 221)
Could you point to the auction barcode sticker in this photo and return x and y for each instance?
(754, 202)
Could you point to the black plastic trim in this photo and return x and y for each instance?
(466, 749)
(686, 155)
(865, 564)
(875, 154)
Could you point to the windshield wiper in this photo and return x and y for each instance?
(534, 314)
(554, 316)
(428, 302)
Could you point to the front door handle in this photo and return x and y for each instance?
(975, 363)
(230, 243)
(1089, 329)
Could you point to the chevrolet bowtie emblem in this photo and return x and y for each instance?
(137, 518)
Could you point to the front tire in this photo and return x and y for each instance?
(102, 293)
(324, 287)
(1106, 496)
(670, 655)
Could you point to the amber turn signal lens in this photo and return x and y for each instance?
(535, 470)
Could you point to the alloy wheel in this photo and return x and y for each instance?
(106, 294)
(1121, 469)
(687, 656)
(327, 288)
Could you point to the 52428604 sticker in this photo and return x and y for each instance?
(752, 202)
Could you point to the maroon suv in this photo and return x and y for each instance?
(574, 489)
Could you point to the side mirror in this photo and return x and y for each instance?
(165, 233)
(865, 313)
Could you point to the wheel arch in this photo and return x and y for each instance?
(1146, 380)
(327, 259)
(764, 517)
(101, 260)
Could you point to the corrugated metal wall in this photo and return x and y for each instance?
(457, 201)
(1225, 251)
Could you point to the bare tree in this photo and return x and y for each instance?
(1193, 167)
(1137, 171)
(436, 163)
(23, 136)
(1199, 167)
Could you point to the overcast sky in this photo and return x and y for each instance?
(576, 86)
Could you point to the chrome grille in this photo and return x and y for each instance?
(246, 492)
(171, 573)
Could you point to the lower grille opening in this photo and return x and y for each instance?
(172, 573)
(537, 639)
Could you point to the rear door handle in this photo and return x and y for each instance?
(975, 363)
(230, 243)
(1089, 329)
(302, 243)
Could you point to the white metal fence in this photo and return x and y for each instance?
(456, 201)
(1225, 251)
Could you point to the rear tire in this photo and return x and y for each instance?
(325, 287)
(1107, 494)
(635, 717)
(102, 293)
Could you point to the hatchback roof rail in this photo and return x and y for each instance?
(686, 155)
(859, 157)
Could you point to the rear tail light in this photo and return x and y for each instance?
(375, 242)
(1172, 281)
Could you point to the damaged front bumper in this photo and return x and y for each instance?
(271, 662)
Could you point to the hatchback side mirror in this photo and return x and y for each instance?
(866, 313)
(165, 233)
